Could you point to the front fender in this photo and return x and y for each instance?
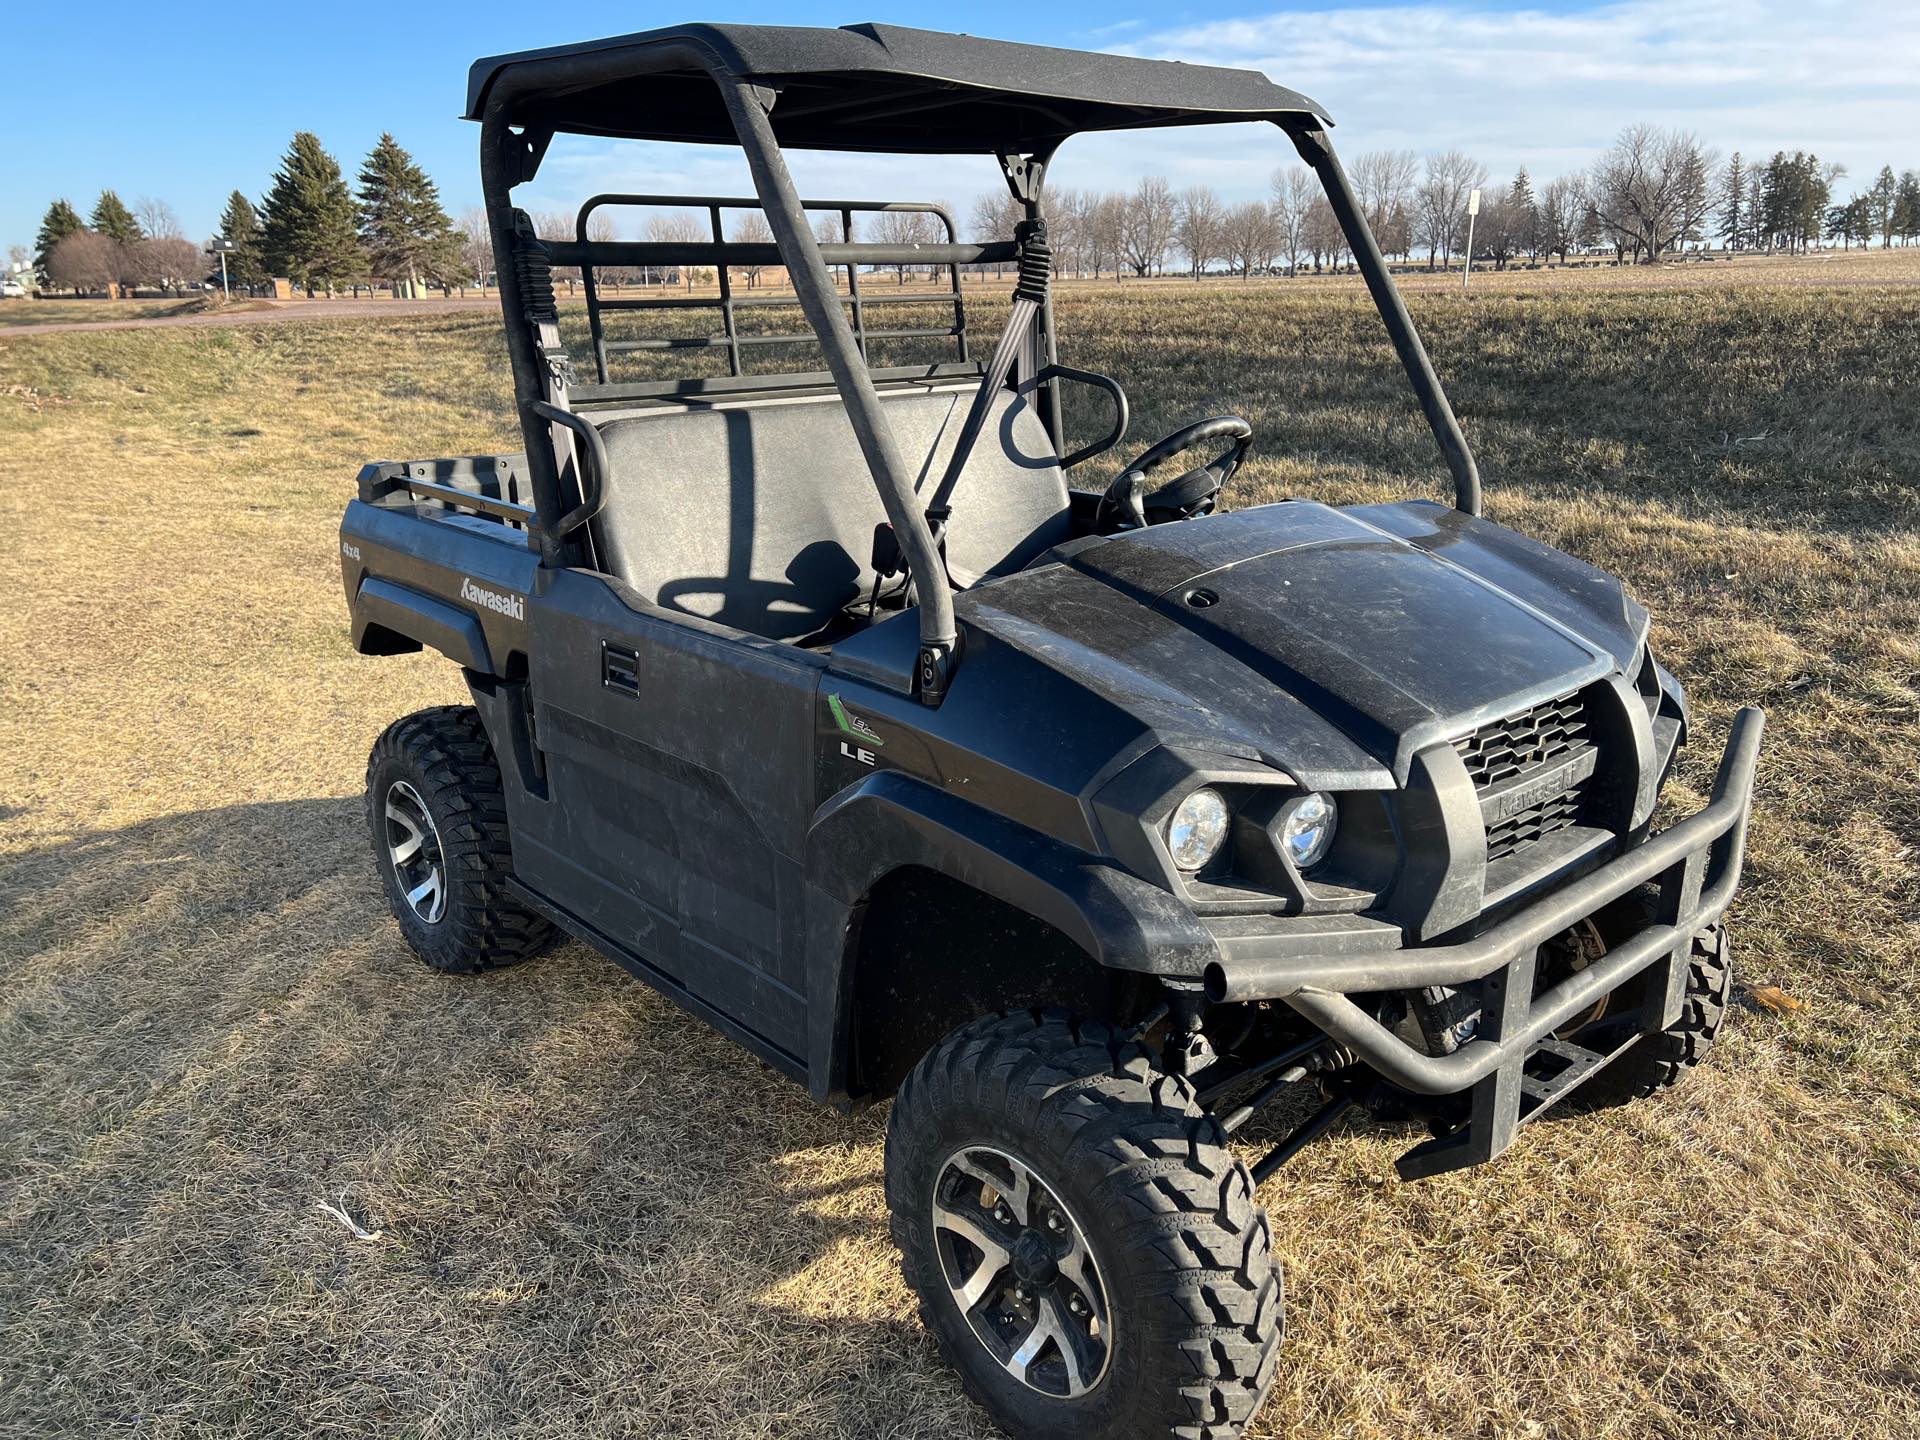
(891, 821)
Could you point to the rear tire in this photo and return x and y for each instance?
(1137, 1228)
(1661, 1061)
(438, 820)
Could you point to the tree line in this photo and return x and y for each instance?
(1652, 193)
(309, 227)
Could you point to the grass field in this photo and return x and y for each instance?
(590, 1216)
(54, 312)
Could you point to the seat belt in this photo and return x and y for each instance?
(533, 270)
(1029, 296)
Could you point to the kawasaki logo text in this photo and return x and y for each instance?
(513, 607)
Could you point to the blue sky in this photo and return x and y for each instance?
(151, 104)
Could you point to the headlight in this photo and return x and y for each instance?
(1307, 829)
(1197, 829)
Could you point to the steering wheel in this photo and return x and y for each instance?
(1127, 505)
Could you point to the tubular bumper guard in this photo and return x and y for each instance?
(1696, 864)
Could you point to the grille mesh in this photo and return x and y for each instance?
(1502, 749)
(1505, 749)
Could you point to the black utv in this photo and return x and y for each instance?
(1082, 824)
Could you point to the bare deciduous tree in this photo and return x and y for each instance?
(906, 227)
(1197, 227)
(1651, 190)
(82, 262)
(994, 216)
(1321, 231)
(1067, 225)
(753, 230)
(1147, 224)
(677, 227)
(1384, 179)
(1294, 191)
(476, 246)
(1250, 237)
(157, 220)
(1440, 203)
(602, 230)
(1105, 230)
(1563, 205)
(171, 262)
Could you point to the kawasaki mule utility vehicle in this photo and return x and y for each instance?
(1083, 825)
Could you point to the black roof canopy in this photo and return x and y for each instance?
(864, 87)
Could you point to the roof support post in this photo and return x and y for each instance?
(507, 159)
(1317, 151)
(748, 105)
(1026, 176)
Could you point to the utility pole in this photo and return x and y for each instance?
(1473, 209)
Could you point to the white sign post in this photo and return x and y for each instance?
(1473, 209)
(224, 248)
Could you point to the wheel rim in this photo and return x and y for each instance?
(1567, 954)
(415, 852)
(1019, 1269)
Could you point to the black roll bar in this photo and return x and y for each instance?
(1317, 151)
(511, 153)
(800, 252)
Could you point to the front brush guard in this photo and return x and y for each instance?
(1696, 865)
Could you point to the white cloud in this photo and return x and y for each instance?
(1551, 90)
(1547, 90)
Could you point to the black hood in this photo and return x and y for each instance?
(1329, 642)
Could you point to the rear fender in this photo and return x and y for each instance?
(428, 576)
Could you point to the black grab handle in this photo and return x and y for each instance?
(1121, 415)
(594, 478)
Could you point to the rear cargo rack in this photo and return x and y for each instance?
(485, 485)
(594, 256)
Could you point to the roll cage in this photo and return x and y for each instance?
(872, 88)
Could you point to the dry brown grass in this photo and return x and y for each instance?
(55, 312)
(597, 1218)
(1897, 266)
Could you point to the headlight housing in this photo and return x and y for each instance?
(1197, 829)
(1306, 829)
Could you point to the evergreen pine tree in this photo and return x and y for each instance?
(61, 221)
(1759, 237)
(112, 219)
(307, 220)
(1906, 207)
(1733, 204)
(1523, 213)
(1881, 202)
(406, 233)
(240, 227)
(1777, 207)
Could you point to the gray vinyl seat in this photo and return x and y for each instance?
(761, 515)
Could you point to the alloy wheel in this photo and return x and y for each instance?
(1019, 1268)
(414, 851)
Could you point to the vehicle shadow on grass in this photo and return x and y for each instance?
(582, 1211)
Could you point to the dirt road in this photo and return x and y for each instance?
(268, 312)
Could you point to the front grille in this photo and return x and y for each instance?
(1534, 823)
(1502, 749)
(1511, 755)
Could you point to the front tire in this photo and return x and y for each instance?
(1662, 1060)
(1086, 1251)
(438, 819)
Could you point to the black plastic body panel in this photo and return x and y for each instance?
(713, 809)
